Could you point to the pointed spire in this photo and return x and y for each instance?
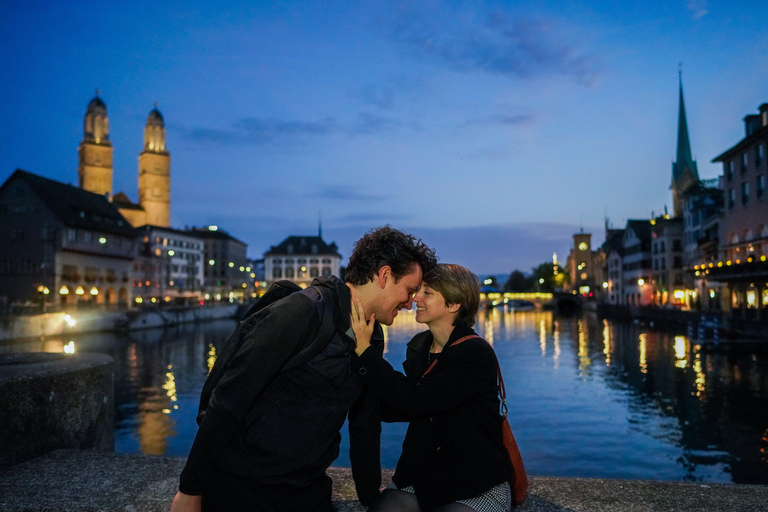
(319, 225)
(684, 158)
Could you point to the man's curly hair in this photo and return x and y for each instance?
(387, 246)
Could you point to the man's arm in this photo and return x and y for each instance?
(285, 328)
(186, 503)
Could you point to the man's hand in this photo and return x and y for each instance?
(363, 329)
(186, 503)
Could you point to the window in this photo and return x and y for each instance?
(289, 272)
(744, 163)
(760, 188)
(731, 198)
(759, 155)
(18, 234)
(313, 272)
(745, 192)
(326, 271)
(729, 170)
(277, 273)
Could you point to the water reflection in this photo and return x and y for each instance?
(587, 397)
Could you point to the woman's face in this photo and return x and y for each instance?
(430, 305)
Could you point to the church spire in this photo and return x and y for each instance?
(684, 158)
(684, 171)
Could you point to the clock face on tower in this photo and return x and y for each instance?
(583, 246)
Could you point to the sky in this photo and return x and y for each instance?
(492, 130)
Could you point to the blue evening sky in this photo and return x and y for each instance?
(492, 130)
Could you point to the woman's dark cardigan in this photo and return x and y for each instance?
(453, 448)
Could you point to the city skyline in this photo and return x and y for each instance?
(493, 132)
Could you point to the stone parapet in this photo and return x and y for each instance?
(52, 401)
(88, 481)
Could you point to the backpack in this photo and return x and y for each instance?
(278, 291)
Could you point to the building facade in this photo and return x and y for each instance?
(744, 233)
(62, 245)
(637, 288)
(226, 268)
(169, 266)
(667, 260)
(301, 259)
(585, 266)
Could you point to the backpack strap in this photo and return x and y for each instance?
(328, 325)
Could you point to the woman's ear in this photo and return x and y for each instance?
(453, 308)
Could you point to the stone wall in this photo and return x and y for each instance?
(53, 401)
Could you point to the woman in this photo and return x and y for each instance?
(453, 458)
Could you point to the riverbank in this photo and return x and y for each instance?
(88, 321)
(89, 481)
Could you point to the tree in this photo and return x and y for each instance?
(548, 277)
(516, 282)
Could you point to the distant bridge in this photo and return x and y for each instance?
(560, 301)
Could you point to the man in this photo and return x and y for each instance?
(269, 433)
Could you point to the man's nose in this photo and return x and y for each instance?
(408, 304)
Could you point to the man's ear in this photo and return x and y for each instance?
(384, 274)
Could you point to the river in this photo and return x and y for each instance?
(587, 397)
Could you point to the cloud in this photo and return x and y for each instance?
(270, 131)
(345, 193)
(367, 124)
(698, 8)
(263, 131)
(504, 120)
(378, 95)
(521, 48)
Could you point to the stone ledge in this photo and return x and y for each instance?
(55, 401)
(89, 481)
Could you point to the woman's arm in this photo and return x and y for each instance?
(462, 372)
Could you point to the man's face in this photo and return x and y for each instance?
(396, 295)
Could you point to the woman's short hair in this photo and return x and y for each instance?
(457, 285)
(387, 246)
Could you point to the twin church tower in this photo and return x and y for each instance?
(95, 167)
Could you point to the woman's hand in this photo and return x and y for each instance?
(363, 329)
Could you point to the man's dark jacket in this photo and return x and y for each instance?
(453, 447)
(282, 428)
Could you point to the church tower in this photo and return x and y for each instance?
(684, 172)
(155, 172)
(95, 166)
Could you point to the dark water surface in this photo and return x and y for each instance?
(586, 397)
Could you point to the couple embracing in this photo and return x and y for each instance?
(271, 426)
